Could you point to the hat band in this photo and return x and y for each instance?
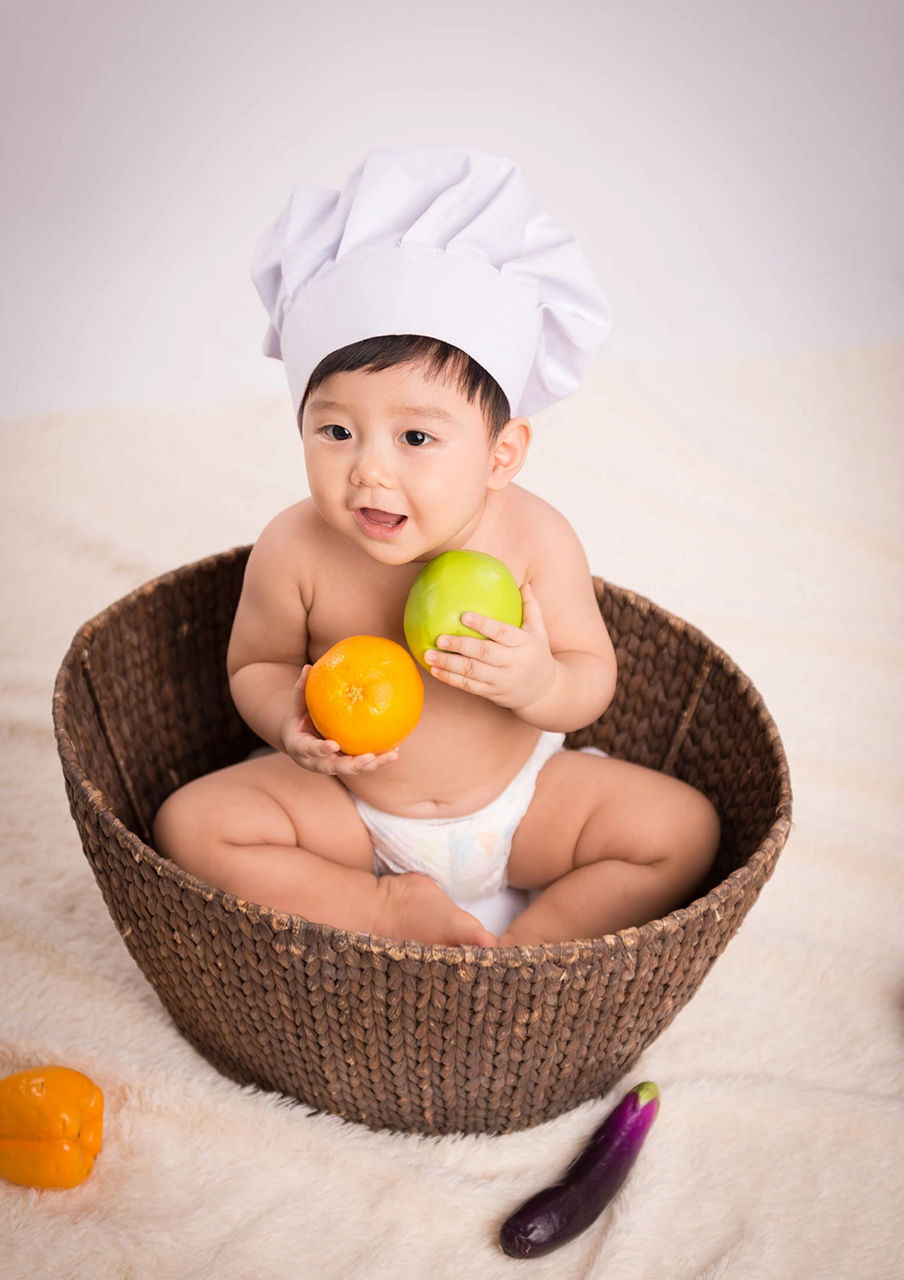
(491, 316)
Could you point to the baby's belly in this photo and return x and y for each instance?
(460, 757)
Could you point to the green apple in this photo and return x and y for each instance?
(454, 583)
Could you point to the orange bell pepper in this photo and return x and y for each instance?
(51, 1119)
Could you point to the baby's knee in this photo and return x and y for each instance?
(702, 831)
(182, 822)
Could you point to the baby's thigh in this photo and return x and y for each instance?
(588, 809)
(267, 800)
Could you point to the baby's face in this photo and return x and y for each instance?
(398, 462)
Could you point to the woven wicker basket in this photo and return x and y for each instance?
(400, 1035)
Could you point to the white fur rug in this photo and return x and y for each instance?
(761, 500)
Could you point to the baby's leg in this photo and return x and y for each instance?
(273, 833)
(610, 844)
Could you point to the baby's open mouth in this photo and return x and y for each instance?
(374, 519)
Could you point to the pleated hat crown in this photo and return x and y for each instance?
(446, 243)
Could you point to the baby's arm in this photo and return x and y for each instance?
(266, 660)
(557, 671)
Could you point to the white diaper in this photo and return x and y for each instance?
(468, 855)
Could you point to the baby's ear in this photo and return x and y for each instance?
(509, 452)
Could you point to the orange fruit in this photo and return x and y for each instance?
(365, 693)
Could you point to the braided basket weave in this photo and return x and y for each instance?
(401, 1035)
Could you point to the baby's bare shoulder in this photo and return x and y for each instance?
(290, 537)
(290, 524)
(537, 523)
(282, 557)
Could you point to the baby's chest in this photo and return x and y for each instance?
(353, 606)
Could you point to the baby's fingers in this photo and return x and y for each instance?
(499, 632)
(313, 753)
(460, 671)
(343, 766)
(452, 651)
(533, 614)
(368, 763)
(326, 756)
(299, 704)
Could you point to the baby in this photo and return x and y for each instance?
(421, 313)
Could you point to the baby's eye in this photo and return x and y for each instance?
(416, 438)
(333, 431)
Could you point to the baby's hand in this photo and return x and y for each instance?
(511, 666)
(303, 744)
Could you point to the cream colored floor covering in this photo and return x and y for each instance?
(760, 500)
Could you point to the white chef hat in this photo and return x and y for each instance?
(446, 243)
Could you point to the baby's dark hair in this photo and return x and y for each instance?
(439, 359)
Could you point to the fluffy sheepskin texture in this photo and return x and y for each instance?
(759, 499)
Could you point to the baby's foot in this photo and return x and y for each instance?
(527, 931)
(533, 929)
(512, 938)
(415, 907)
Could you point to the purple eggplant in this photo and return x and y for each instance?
(559, 1213)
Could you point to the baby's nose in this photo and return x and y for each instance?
(372, 468)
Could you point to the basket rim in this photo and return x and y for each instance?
(757, 867)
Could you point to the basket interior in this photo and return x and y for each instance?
(150, 705)
(394, 1034)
